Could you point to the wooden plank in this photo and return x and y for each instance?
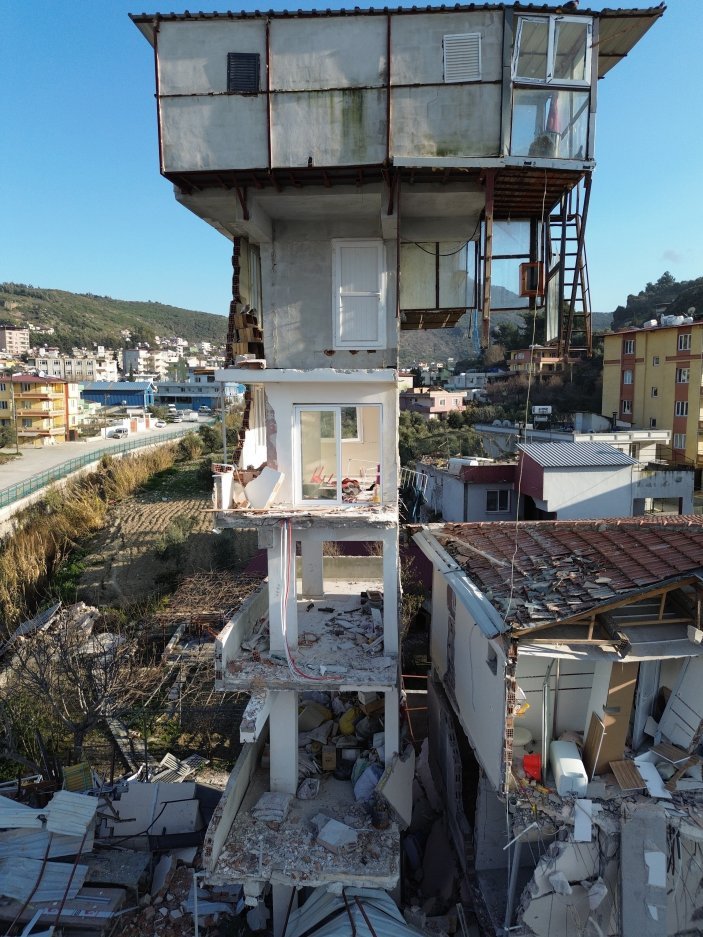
(627, 775)
(670, 785)
(670, 752)
(593, 744)
(617, 712)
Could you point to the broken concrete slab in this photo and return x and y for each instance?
(337, 836)
(643, 850)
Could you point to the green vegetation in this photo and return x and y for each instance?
(642, 306)
(47, 533)
(439, 438)
(83, 319)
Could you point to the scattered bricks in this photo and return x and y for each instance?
(337, 836)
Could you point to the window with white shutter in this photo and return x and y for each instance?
(462, 57)
(359, 294)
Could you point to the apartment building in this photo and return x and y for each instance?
(361, 163)
(14, 340)
(43, 411)
(432, 404)
(77, 368)
(653, 378)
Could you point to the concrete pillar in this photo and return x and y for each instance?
(281, 902)
(283, 737)
(391, 588)
(391, 725)
(276, 570)
(313, 578)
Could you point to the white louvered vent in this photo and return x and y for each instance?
(462, 57)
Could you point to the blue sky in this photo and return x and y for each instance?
(85, 209)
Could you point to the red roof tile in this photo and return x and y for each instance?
(536, 572)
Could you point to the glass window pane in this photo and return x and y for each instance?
(361, 455)
(533, 41)
(318, 455)
(570, 40)
(549, 124)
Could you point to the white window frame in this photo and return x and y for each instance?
(628, 346)
(681, 408)
(627, 376)
(655, 361)
(685, 342)
(652, 422)
(499, 492)
(338, 244)
(683, 375)
(655, 392)
(679, 441)
(336, 408)
(552, 20)
(626, 406)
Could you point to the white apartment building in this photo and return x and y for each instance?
(77, 368)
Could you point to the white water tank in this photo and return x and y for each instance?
(567, 767)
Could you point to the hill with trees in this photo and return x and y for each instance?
(678, 297)
(81, 319)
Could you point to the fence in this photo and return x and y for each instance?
(36, 482)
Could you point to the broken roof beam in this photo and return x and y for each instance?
(255, 716)
(620, 639)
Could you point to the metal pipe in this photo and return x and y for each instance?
(545, 720)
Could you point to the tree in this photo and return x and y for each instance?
(80, 674)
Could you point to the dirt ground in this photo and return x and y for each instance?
(126, 564)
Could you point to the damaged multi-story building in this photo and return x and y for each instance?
(568, 655)
(376, 170)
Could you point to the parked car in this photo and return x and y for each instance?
(205, 410)
(177, 419)
(118, 433)
(160, 424)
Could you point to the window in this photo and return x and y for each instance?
(359, 294)
(655, 361)
(685, 342)
(681, 408)
(339, 452)
(628, 346)
(553, 49)
(2, 387)
(441, 402)
(682, 375)
(4, 405)
(626, 406)
(652, 422)
(497, 501)
(26, 422)
(655, 392)
(462, 57)
(679, 440)
(627, 377)
(243, 72)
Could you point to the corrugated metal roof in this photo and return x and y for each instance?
(575, 454)
(541, 572)
(19, 876)
(69, 813)
(32, 844)
(14, 816)
(326, 915)
(118, 385)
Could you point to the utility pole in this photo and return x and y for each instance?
(14, 413)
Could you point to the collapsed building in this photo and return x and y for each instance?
(376, 171)
(568, 655)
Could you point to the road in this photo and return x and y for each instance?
(34, 461)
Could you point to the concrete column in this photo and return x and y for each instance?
(391, 725)
(281, 901)
(283, 736)
(391, 588)
(276, 570)
(313, 578)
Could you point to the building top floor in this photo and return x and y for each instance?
(362, 81)
(678, 339)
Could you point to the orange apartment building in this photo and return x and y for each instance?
(43, 411)
(653, 378)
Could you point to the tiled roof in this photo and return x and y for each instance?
(534, 573)
(575, 454)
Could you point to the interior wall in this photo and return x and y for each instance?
(571, 700)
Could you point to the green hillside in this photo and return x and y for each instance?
(679, 297)
(82, 319)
